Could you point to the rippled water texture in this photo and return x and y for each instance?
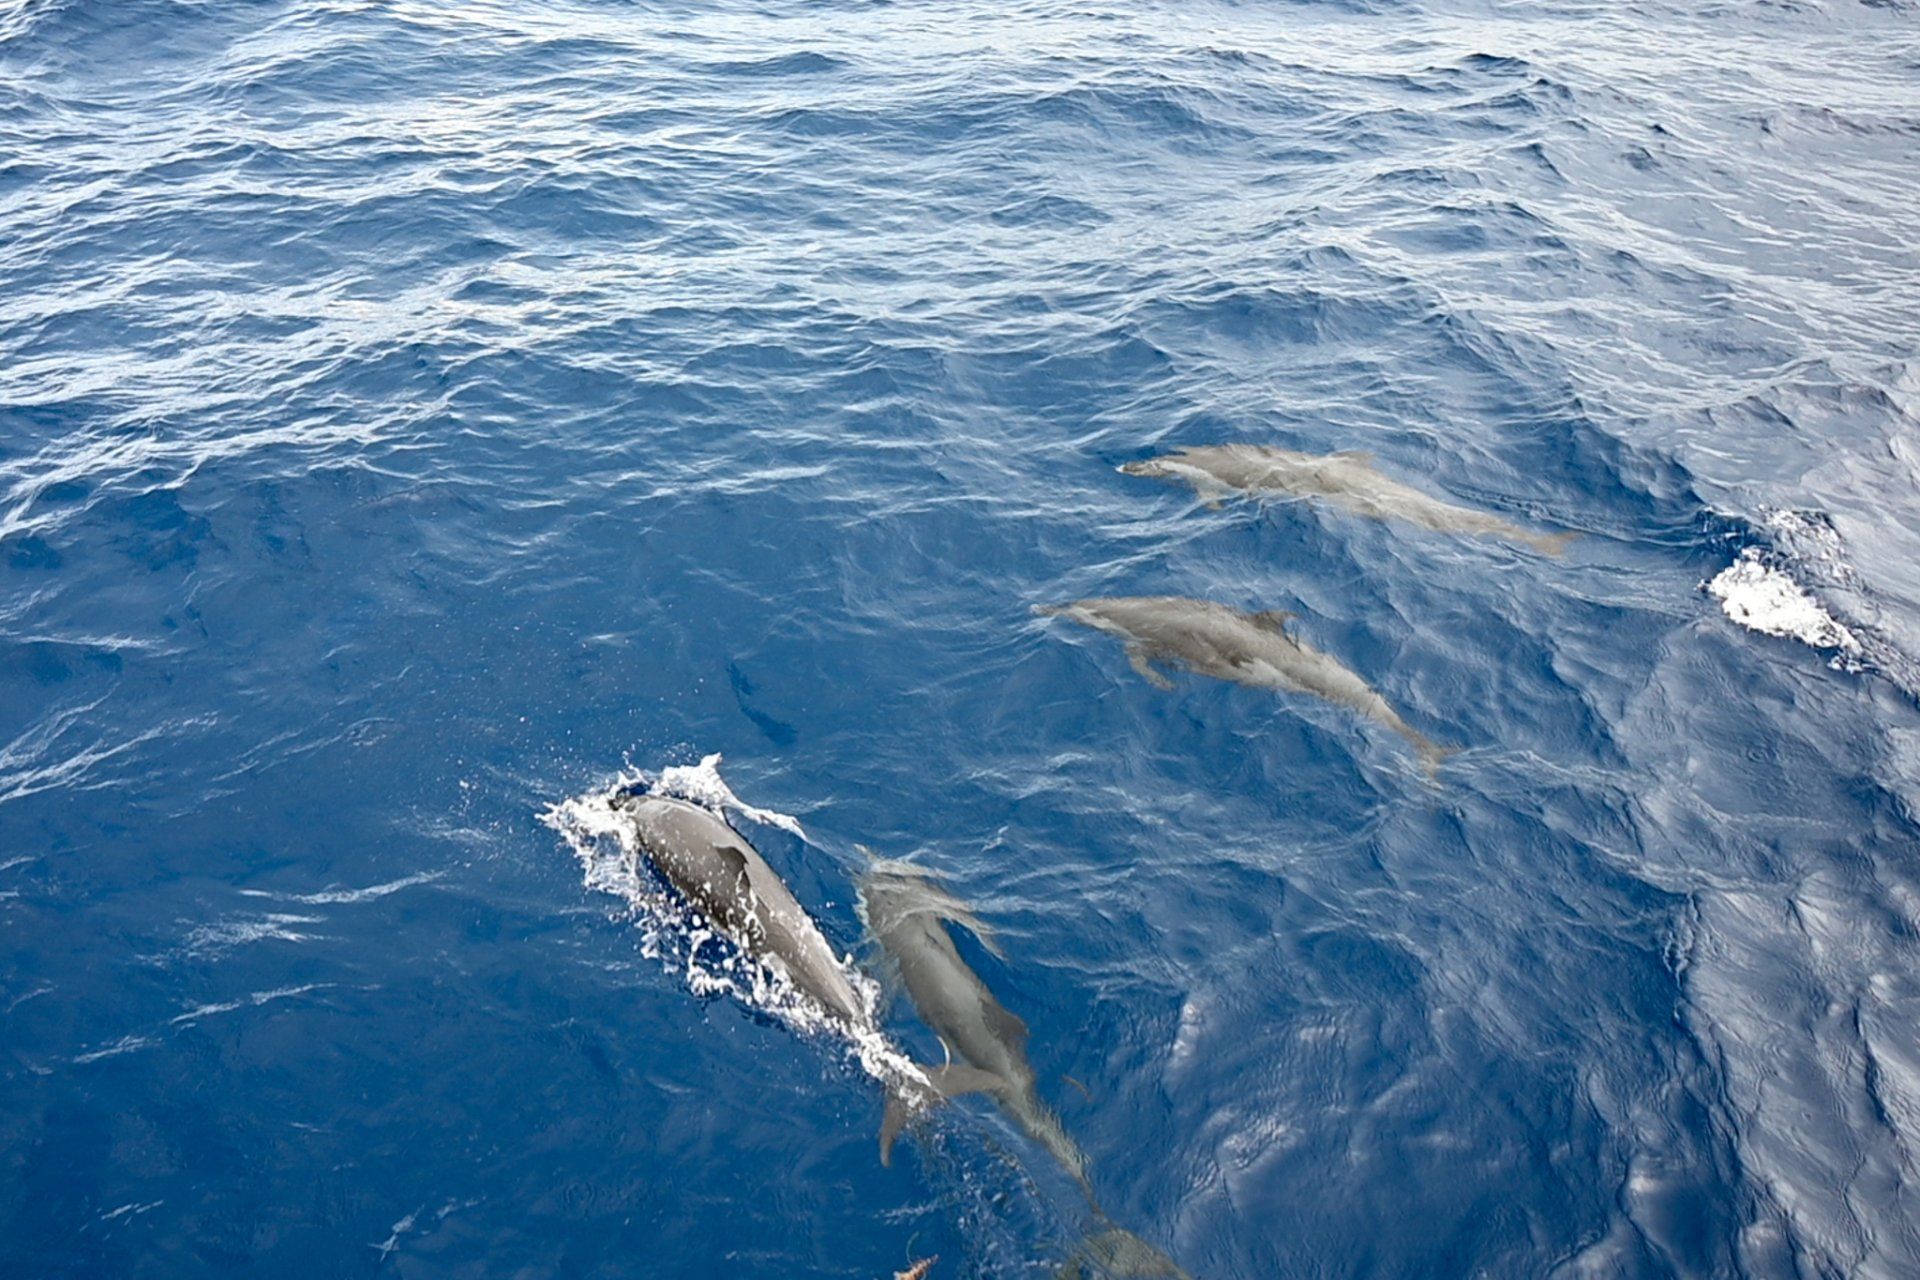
(412, 416)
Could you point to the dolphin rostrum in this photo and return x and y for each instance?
(719, 872)
(905, 911)
(1348, 480)
(1246, 648)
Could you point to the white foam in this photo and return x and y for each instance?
(224, 935)
(1763, 597)
(256, 999)
(125, 1044)
(330, 897)
(392, 1243)
(702, 784)
(131, 1209)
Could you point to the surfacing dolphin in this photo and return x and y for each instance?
(906, 913)
(1247, 648)
(720, 872)
(1348, 480)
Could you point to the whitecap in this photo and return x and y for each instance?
(125, 1044)
(331, 897)
(1763, 597)
(224, 935)
(255, 999)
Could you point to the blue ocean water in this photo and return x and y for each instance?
(413, 416)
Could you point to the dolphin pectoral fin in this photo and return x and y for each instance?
(1005, 1025)
(955, 1079)
(1142, 662)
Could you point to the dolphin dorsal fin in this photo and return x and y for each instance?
(1005, 1024)
(1274, 620)
(733, 858)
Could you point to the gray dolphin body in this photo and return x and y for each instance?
(1348, 480)
(719, 871)
(905, 911)
(1247, 648)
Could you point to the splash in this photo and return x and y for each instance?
(1763, 597)
(702, 784)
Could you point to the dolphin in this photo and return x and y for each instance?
(906, 913)
(1246, 648)
(1348, 480)
(1117, 1252)
(718, 871)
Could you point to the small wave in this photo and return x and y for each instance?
(332, 897)
(30, 764)
(802, 62)
(125, 1044)
(131, 1209)
(254, 1000)
(225, 935)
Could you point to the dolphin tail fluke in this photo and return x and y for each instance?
(1119, 1253)
(955, 1079)
(1431, 756)
(1553, 544)
(949, 1081)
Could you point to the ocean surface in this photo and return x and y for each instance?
(417, 419)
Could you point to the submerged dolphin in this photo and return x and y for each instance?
(1348, 480)
(717, 870)
(1246, 648)
(905, 911)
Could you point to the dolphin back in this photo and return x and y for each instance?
(719, 871)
